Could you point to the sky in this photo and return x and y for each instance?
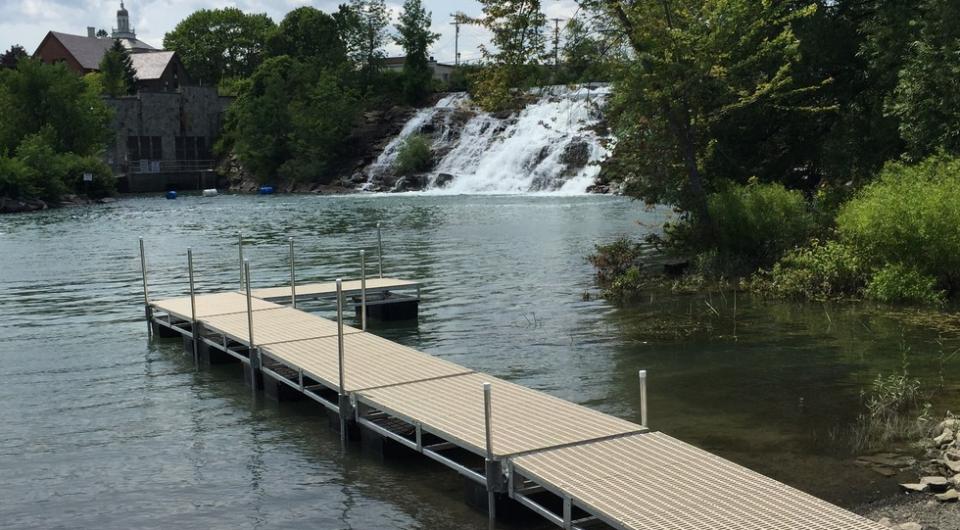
(25, 22)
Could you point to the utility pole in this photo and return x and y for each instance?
(456, 38)
(556, 42)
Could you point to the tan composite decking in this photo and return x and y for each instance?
(369, 361)
(655, 482)
(349, 287)
(274, 325)
(523, 419)
(210, 305)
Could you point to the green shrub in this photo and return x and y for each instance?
(759, 222)
(820, 271)
(414, 156)
(46, 166)
(613, 260)
(625, 285)
(909, 215)
(16, 179)
(896, 409)
(901, 283)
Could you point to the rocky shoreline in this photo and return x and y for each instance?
(930, 503)
(8, 205)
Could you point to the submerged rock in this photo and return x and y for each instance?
(949, 496)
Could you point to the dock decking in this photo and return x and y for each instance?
(576, 467)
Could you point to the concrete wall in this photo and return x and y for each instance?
(189, 112)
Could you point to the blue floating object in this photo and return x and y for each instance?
(171, 195)
(266, 190)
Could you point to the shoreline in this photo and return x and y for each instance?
(902, 509)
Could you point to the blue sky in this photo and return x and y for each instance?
(25, 22)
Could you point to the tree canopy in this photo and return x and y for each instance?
(415, 37)
(9, 58)
(220, 43)
(117, 75)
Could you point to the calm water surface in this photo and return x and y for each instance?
(103, 428)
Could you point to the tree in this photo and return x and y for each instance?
(118, 76)
(585, 56)
(218, 43)
(9, 58)
(415, 37)
(37, 96)
(702, 72)
(518, 43)
(363, 27)
(307, 33)
(102, 33)
(925, 99)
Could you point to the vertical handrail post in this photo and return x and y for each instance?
(363, 290)
(342, 401)
(293, 277)
(146, 293)
(240, 247)
(488, 433)
(194, 332)
(643, 397)
(380, 249)
(254, 354)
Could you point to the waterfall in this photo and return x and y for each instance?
(554, 144)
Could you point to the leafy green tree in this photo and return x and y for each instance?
(117, 75)
(9, 58)
(517, 45)
(291, 120)
(694, 76)
(37, 96)
(218, 43)
(926, 100)
(102, 33)
(307, 33)
(415, 37)
(363, 28)
(586, 56)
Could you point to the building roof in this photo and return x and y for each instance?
(151, 65)
(399, 61)
(88, 51)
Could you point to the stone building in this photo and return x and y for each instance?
(441, 71)
(165, 132)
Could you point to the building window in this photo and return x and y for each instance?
(144, 148)
(192, 148)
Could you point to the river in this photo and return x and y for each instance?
(104, 428)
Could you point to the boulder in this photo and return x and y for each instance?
(935, 483)
(950, 495)
(910, 526)
(945, 437)
(575, 156)
(919, 488)
(443, 179)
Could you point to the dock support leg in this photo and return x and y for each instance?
(293, 277)
(148, 313)
(193, 310)
(343, 400)
(363, 290)
(643, 398)
(379, 249)
(256, 377)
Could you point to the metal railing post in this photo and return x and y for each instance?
(380, 249)
(293, 277)
(193, 307)
(488, 433)
(146, 294)
(342, 401)
(253, 352)
(240, 247)
(643, 397)
(363, 290)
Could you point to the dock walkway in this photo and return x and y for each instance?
(599, 470)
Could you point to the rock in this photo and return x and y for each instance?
(935, 483)
(949, 496)
(949, 423)
(884, 470)
(107, 200)
(954, 466)
(575, 156)
(952, 453)
(910, 526)
(885, 521)
(919, 488)
(945, 437)
(443, 179)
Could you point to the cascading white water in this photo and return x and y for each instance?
(552, 145)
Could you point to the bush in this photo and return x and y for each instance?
(895, 410)
(615, 259)
(759, 221)
(902, 283)
(414, 156)
(909, 216)
(820, 271)
(16, 179)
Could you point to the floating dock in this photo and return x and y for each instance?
(576, 467)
